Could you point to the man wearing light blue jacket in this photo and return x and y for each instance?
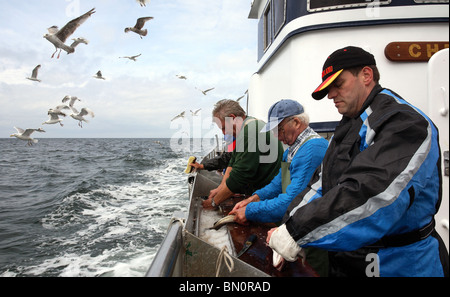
(290, 124)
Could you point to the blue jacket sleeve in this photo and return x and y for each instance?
(273, 189)
(303, 165)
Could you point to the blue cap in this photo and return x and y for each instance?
(281, 110)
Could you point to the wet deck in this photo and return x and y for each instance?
(259, 254)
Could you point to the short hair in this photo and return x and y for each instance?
(376, 73)
(304, 117)
(226, 107)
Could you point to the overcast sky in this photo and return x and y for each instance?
(212, 43)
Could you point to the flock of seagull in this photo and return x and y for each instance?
(58, 38)
(204, 92)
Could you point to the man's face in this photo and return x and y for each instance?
(287, 131)
(348, 93)
(227, 125)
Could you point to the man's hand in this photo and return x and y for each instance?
(239, 215)
(197, 166)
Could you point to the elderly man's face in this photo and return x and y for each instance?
(289, 130)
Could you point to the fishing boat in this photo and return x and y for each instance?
(409, 39)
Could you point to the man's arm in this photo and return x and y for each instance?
(221, 193)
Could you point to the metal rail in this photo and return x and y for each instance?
(166, 258)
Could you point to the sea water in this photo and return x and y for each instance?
(87, 207)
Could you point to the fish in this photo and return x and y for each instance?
(223, 221)
(278, 261)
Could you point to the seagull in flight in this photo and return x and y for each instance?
(138, 27)
(34, 74)
(143, 2)
(205, 91)
(181, 76)
(58, 37)
(26, 135)
(54, 118)
(99, 75)
(79, 116)
(77, 41)
(71, 99)
(58, 109)
(132, 58)
(181, 115)
(195, 113)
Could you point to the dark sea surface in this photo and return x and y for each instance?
(87, 207)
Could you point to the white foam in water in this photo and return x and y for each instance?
(218, 238)
(114, 212)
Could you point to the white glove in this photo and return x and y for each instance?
(283, 243)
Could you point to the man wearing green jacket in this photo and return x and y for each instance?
(256, 159)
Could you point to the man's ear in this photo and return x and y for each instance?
(367, 74)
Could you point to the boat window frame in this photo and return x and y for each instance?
(283, 22)
(271, 29)
(363, 3)
(267, 26)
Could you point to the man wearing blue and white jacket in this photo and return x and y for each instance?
(372, 202)
(290, 124)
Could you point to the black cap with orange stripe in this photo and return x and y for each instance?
(337, 62)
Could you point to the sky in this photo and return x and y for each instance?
(212, 43)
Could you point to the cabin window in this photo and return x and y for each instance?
(268, 26)
(274, 20)
(279, 15)
(317, 5)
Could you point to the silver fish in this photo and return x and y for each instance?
(223, 221)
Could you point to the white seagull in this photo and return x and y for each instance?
(181, 115)
(77, 41)
(58, 110)
(54, 118)
(143, 2)
(71, 99)
(54, 114)
(133, 58)
(58, 37)
(34, 74)
(138, 27)
(195, 113)
(99, 75)
(79, 116)
(26, 135)
(205, 91)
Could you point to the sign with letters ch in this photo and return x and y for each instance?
(412, 51)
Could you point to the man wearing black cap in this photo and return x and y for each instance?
(372, 201)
